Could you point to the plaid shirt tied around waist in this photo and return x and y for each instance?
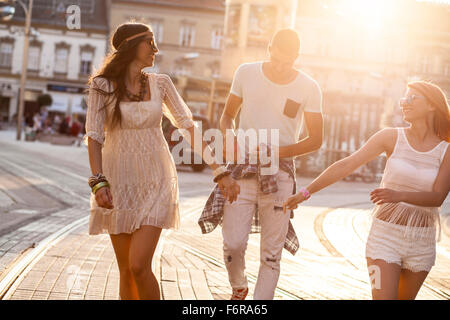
(213, 211)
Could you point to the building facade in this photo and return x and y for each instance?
(60, 59)
(189, 33)
(363, 66)
(249, 27)
(362, 56)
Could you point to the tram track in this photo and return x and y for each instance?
(25, 263)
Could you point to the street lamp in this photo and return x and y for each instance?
(6, 13)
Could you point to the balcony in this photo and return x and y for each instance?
(60, 75)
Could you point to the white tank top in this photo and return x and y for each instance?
(410, 170)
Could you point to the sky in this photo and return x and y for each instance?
(438, 1)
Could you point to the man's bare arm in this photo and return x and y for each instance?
(227, 122)
(314, 125)
(232, 107)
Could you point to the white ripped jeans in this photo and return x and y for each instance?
(236, 227)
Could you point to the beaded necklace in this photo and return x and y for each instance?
(142, 90)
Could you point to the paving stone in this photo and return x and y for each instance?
(185, 285)
(200, 285)
(84, 267)
(169, 274)
(170, 291)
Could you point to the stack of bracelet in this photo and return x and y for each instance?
(97, 182)
(220, 172)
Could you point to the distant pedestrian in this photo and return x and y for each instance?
(64, 127)
(29, 122)
(44, 117)
(37, 124)
(37, 121)
(56, 122)
(76, 127)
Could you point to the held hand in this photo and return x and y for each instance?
(293, 202)
(382, 195)
(229, 188)
(104, 198)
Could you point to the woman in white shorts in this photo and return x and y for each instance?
(401, 247)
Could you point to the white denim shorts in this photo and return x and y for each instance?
(387, 242)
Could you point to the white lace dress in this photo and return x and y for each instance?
(136, 158)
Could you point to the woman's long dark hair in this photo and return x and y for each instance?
(115, 66)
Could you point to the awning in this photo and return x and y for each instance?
(64, 102)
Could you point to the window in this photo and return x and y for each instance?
(6, 50)
(213, 69)
(426, 64)
(447, 69)
(232, 32)
(215, 72)
(4, 108)
(355, 85)
(183, 68)
(217, 38)
(187, 35)
(34, 56)
(158, 31)
(86, 59)
(322, 42)
(261, 23)
(61, 60)
(86, 62)
(156, 24)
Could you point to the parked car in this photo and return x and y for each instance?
(168, 129)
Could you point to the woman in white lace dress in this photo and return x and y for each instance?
(134, 183)
(401, 247)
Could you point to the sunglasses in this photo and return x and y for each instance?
(151, 42)
(409, 99)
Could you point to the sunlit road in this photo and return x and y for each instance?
(46, 185)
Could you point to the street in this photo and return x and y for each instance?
(46, 252)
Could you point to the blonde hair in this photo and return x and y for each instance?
(436, 97)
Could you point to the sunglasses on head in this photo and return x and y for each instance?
(409, 99)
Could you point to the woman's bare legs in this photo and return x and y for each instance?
(410, 284)
(385, 279)
(128, 288)
(142, 247)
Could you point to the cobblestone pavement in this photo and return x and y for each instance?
(46, 252)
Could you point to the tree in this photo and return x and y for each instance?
(44, 100)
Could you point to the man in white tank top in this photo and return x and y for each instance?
(274, 96)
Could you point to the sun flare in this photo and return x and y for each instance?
(368, 14)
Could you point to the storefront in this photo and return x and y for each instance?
(6, 98)
(67, 100)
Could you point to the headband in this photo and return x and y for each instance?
(139, 35)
